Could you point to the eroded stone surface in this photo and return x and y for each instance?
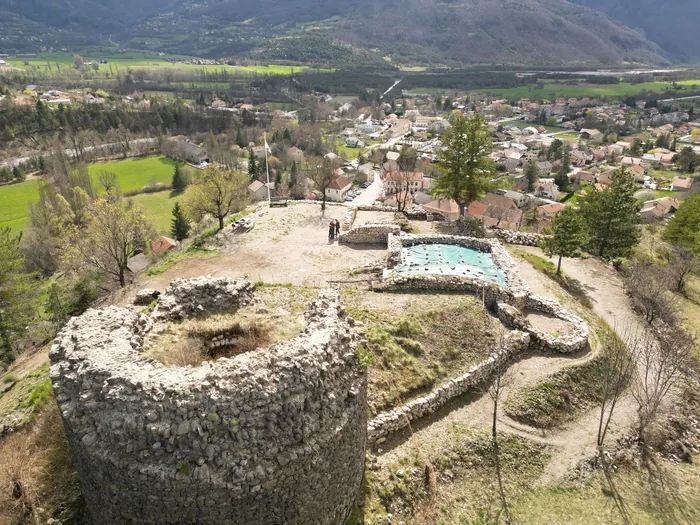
(276, 436)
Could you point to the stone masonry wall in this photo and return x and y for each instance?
(387, 423)
(274, 436)
(369, 234)
(521, 238)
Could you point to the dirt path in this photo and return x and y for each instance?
(575, 441)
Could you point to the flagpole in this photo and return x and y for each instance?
(267, 168)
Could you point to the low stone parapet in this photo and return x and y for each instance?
(369, 234)
(519, 238)
(386, 423)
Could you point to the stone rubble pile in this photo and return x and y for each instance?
(189, 297)
(276, 436)
(146, 296)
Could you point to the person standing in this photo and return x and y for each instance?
(337, 228)
(331, 230)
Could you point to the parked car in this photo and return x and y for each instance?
(365, 185)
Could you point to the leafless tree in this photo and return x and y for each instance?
(408, 159)
(681, 265)
(618, 369)
(502, 379)
(662, 361)
(108, 181)
(648, 285)
(321, 172)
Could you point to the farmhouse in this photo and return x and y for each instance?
(338, 189)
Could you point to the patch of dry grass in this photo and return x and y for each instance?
(37, 479)
(416, 340)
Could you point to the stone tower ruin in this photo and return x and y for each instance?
(274, 436)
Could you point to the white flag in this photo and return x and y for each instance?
(267, 148)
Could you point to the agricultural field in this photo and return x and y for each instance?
(53, 63)
(132, 174)
(14, 204)
(559, 89)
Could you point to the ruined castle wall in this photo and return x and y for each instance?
(369, 234)
(387, 423)
(274, 436)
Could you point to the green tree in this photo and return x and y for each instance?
(18, 173)
(611, 217)
(532, 174)
(555, 150)
(561, 179)
(180, 225)
(180, 180)
(217, 192)
(566, 235)
(17, 294)
(240, 141)
(252, 168)
(686, 160)
(684, 228)
(465, 169)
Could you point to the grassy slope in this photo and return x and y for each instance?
(158, 208)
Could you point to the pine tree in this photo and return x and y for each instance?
(240, 141)
(611, 217)
(287, 135)
(566, 235)
(466, 170)
(179, 180)
(180, 225)
(532, 174)
(252, 168)
(562, 177)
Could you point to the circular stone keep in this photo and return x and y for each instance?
(274, 436)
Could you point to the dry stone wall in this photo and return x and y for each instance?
(387, 423)
(274, 436)
(369, 234)
(188, 297)
(520, 238)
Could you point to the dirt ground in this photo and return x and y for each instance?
(287, 245)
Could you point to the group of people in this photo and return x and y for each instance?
(333, 229)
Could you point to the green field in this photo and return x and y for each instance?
(46, 63)
(14, 204)
(158, 208)
(623, 89)
(132, 174)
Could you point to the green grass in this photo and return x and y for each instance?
(135, 174)
(158, 208)
(549, 269)
(14, 204)
(123, 61)
(27, 396)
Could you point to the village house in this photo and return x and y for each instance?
(257, 190)
(592, 134)
(546, 189)
(338, 189)
(681, 183)
(660, 209)
(448, 208)
(396, 181)
(545, 167)
(191, 153)
(162, 244)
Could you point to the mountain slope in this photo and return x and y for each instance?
(672, 24)
(454, 32)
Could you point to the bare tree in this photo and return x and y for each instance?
(408, 159)
(108, 181)
(322, 175)
(115, 232)
(682, 264)
(648, 285)
(662, 361)
(502, 379)
(618, 369)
